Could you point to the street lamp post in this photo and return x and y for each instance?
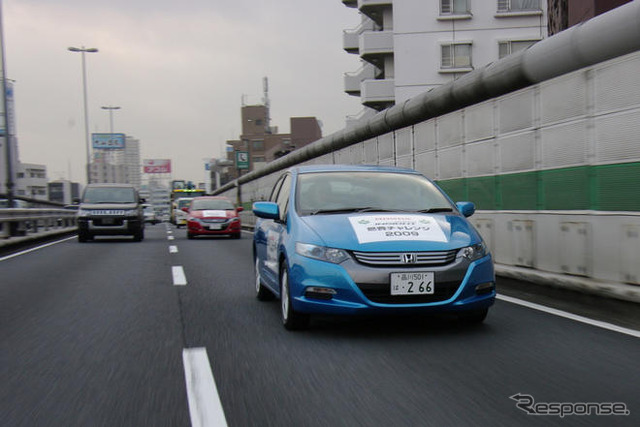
(82, 51)
(111, 109)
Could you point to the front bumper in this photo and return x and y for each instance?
(109, 226)
(199, 227)
(357, 288)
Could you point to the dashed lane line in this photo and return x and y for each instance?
(173, 249)
(205, 407)
(179, 279)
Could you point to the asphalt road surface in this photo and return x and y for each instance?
(168, 332)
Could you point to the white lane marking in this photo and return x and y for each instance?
(26, 251)
(179, 279)
(173, 249)
(205, 407)
(169, 232)
(597, 323)
(170, 237)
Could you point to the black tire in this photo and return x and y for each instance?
(82, 237)
(291, 319)
(262, 293)
(190, 236)
(139, 235)
(236, 236)
(474, 317)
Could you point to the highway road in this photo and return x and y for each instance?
(167, 332)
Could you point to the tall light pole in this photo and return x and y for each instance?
(6, 132)
(82, 51)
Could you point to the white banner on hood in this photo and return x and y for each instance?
(381, 228)
(214, 213)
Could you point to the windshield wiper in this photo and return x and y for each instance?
(346, 210)
(432, 210)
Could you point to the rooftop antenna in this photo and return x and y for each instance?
(265, 100)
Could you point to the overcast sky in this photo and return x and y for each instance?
(177, 69)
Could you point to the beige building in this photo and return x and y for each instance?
(262, 141)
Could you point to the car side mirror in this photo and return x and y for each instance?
(466, 208)
(185, 209)
(266, 210)
(239, 209)
(76, 200)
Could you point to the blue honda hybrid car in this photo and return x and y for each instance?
(345, 239)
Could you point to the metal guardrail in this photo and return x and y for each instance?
(16, 222)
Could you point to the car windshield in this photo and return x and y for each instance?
(336, 192)
(109, 195)
(202, 204)
(184, 203)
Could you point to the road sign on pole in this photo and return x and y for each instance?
(242, 159)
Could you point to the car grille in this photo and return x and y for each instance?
(381, 293)
(103, 222)
(398, 258)
(213, 221)
(107, 212)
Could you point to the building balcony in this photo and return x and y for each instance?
(378, 94)
(374, 8)
(351, 38)
(353, 80)
(375, 45)
(350, 3)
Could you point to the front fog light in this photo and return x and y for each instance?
(318, 292)
(485, 288)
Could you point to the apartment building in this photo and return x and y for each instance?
(408, 47)
(262, 143)
(118, 165)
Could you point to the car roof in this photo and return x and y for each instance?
(351, 168)
(110, 185)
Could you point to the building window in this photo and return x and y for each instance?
(20, 174)
(508, 47)
(454, 7)
(258, 145)
(506, 6)
(258, 122)
(456, 56)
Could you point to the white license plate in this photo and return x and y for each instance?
(412, 283)
(215, 226)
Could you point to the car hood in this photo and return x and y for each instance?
(391, 231)
(213, 213)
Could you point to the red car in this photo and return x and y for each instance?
(213, 216)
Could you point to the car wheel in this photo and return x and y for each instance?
(82, 237)
(291, 319)
(139, 236)
(236, 235)
(190, 236)
(474, 317)
(262, 293)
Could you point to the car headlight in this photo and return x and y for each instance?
(335, 256)
(473, 252)
(83, 212)
(131, 213)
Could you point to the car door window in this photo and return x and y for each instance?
(283, 197)
(276, 188)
